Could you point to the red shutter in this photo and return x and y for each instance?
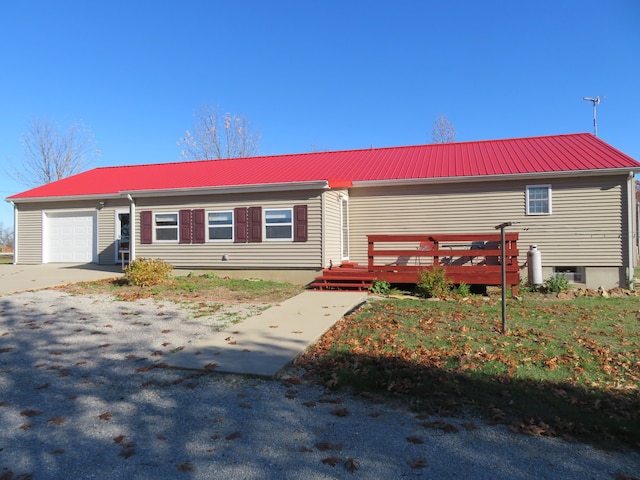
(299, 223)
(146, 227)
(240, 225)
(199, 226)
(185, 226)
(255, 224)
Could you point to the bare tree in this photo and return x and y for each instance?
(50, 154)
(216, 136)
(6, 238)
(443, 131)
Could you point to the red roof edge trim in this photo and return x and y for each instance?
(339, 183)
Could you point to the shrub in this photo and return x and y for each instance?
(434, 283)
(380, 287)
(145, 272)
(462, 290)
(556, 283)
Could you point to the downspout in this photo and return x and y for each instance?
(630, 229)
(132, 228)
(15, 233)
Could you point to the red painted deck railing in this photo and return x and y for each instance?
(473, 259)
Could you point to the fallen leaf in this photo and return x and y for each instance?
(417, 463)
(304, 449)
(119, 438)
(340, 412)
(324, 446)
(333, 461)
(233, 436)
(105, 416)
(309, 404)
(127, 452)
(185, 467)
(25, 426)
(57, 451)
(56, 421)
(415, 440)
(30, 412)
(351, 464)
(166, 331)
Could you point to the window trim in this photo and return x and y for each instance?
(231, 225)
(290, 224)
(528, 199)
(175, 227)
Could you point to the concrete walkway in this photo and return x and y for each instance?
(264, 344)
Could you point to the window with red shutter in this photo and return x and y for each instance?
(185, 226)
(241, 225)
(199, 226)
(300, 223)
(146, 227)
(255, 224)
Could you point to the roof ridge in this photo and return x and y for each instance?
(346, 150)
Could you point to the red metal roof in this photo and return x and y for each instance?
(559, 153)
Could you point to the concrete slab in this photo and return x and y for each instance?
(20, 278)
(264, 344)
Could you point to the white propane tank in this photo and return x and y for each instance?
(534, 266)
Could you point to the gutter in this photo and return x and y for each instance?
(631, 200)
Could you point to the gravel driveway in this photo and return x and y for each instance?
(83, 396)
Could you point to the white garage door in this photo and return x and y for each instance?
(70, 237)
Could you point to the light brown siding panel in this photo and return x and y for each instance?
(29, 235)
(259, 255)
(584, 229)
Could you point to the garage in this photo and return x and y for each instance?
(70, 237)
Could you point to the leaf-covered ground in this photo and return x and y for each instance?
(565, 368)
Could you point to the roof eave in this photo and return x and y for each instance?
(496, 178)
(64, 198)
(259, 188)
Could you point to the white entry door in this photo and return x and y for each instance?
(70, 237)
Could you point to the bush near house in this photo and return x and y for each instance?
(146, 272)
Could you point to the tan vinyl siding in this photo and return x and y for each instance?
(331, 220)
(584, 229)
(262, 255)
(29, 234)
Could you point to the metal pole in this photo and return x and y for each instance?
(595, 124)
(503, 263)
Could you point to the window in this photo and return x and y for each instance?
(220, 225)
(573, 274)
(166, 227)
(278, 224)
(538, 199)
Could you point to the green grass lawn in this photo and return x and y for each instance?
(567, 368)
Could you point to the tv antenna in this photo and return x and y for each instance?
(596, 102)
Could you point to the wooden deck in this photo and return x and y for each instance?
(474, 259)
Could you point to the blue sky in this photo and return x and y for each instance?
(323, 75)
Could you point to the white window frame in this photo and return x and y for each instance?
(232, 225)
(281, 224)
(528, 199)
(156, 227)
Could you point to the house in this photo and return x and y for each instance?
(289, 216)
